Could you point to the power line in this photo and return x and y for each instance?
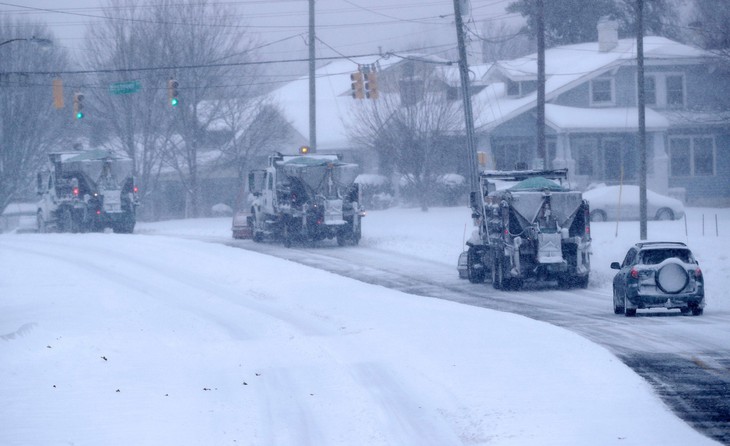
(181, 67)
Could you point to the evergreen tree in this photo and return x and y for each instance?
(574, 21)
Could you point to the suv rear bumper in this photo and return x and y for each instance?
(642, 301)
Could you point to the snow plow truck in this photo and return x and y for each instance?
(303, 198)
(84, 191)
(530, 228)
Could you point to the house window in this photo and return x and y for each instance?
(703, 156)
(453, 93)
(508, 154)
(513, 88)
(692, 156)
(650, 90)
(602, 92)
(584, 152)
(675, 90)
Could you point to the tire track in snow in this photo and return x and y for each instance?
(187, 282)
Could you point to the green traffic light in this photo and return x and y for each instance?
(173, 102)
(79, 115)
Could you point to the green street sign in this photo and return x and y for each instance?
(125, 87)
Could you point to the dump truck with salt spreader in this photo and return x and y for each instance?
(303, 198)
(82, 191)
(535, 230)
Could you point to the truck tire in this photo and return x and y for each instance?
(475, 270)
(66, 221)
(286, 234)
(126, 224)
(42, 224)
(498, 273)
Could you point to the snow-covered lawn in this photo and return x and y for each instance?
(120, 340)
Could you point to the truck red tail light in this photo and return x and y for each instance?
(76, 191)
(135, 189)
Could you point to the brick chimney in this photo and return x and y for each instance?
(607, 34)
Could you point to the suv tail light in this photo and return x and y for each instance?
(698, 273)
(634, 273)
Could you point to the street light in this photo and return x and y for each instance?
(41, 42)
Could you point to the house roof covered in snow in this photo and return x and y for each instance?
(334, 101)
(576, 119)
(565, 68)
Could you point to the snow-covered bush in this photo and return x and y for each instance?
(451, 189)
(221, 210)
(376, 191)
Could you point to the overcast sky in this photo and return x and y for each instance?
(345, 27)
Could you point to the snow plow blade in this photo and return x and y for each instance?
(242, 227)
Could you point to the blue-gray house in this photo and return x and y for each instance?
(592, 116)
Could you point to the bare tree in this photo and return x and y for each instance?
(709, 28)
(201, 46)
(29, 124)
(256, 127)
(411, 125)
(214, 55)
(135, 122)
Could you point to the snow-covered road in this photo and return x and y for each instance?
(112, 339)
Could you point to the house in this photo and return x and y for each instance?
(591, 115)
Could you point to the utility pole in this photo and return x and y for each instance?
(468, 117)
(312, 86)
(541, 149)
(642, 117)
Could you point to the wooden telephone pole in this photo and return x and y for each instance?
(312, 84)
(642, 117)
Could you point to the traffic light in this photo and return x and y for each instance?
(303, 150)
(371, 85)
(357, 85)
(78, 105)
(58, 93)
(172, 85)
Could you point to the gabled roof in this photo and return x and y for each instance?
(566, 67)
(334, 102)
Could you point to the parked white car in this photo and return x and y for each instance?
(622, 203)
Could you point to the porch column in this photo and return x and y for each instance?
(658, 176)
(563, 156)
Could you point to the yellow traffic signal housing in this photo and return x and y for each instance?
(358, 91)
(58, 93)
(371, 85)
(78, 105)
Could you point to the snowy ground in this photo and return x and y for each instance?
(119, 340)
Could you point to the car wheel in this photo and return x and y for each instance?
(598, 215)
(697, 311)
(629, 312)
(665, 214)
(617, 308)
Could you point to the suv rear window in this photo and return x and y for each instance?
(655, 256)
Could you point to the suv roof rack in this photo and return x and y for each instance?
(643, 244)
